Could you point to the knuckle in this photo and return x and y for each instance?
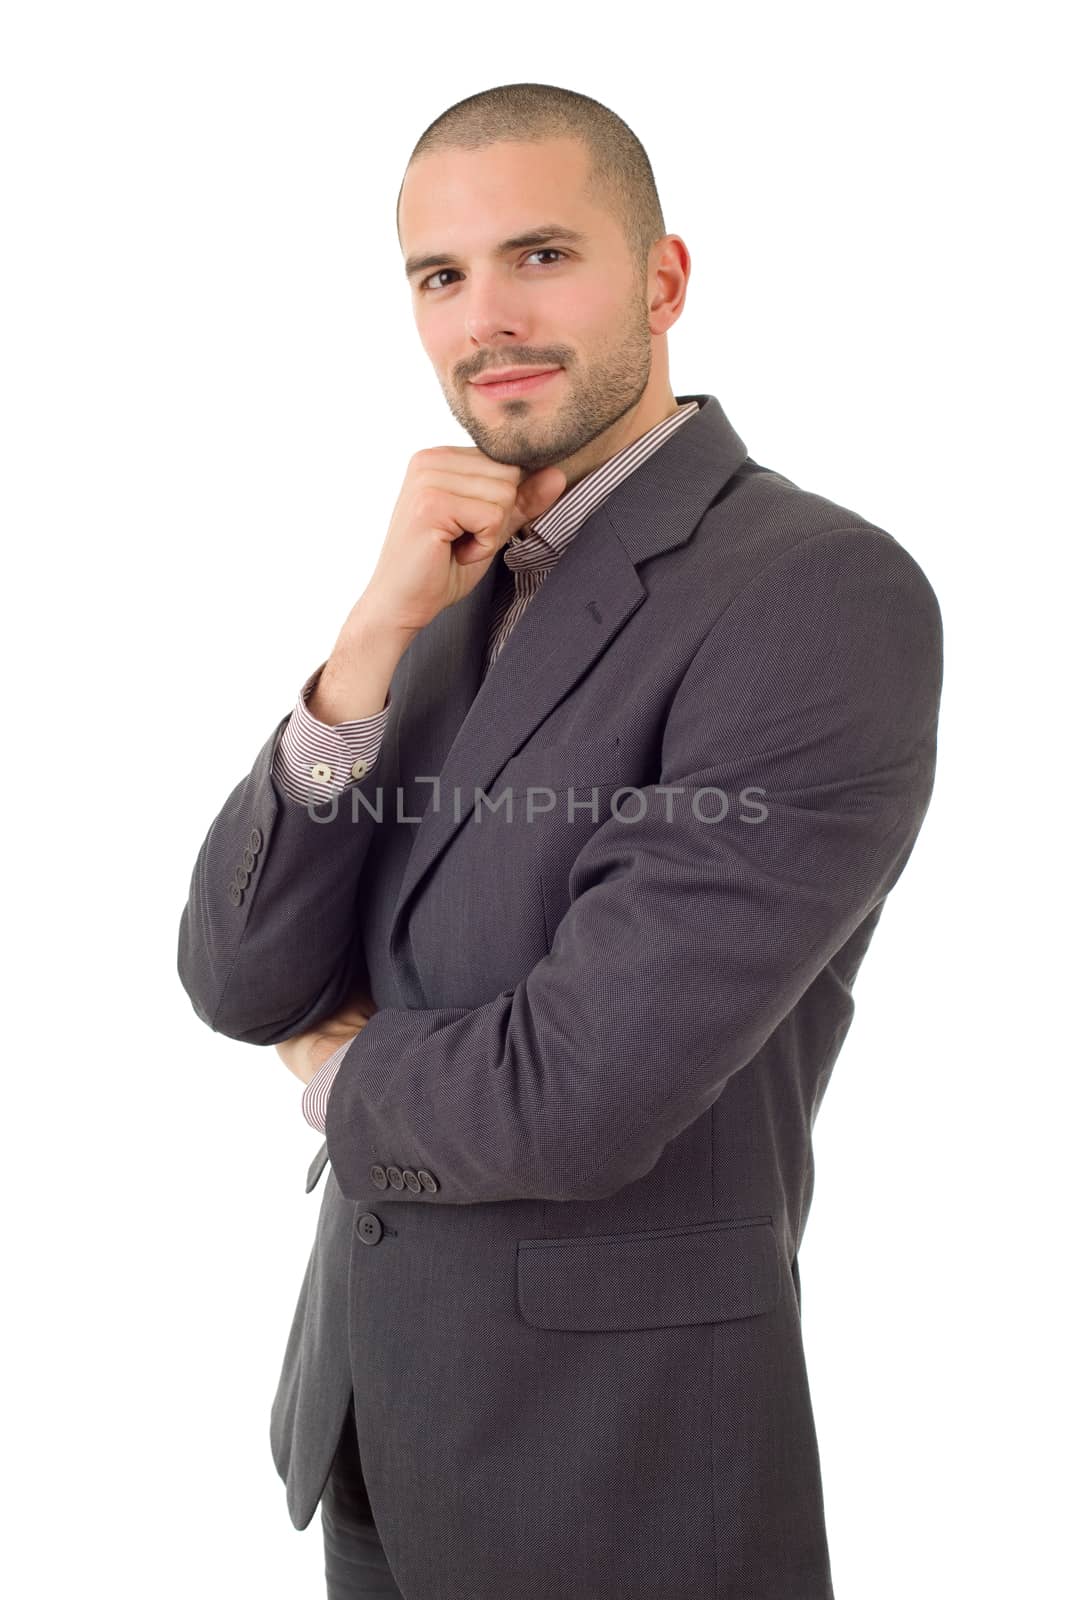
(424, 501)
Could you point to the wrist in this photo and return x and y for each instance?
(319, 1052)
(368, 630)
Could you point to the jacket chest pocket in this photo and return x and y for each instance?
(561, 766)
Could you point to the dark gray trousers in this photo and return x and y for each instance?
(356, 1568)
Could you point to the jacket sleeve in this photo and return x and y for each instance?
(268, 942)
(806, 722)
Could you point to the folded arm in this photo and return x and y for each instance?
(687, 940)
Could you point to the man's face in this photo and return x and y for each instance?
(571, 304)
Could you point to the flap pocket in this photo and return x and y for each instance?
(707, 1272)
(562, 766)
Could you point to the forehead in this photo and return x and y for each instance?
(475, 198)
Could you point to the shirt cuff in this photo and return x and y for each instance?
(317, 1093)
(314, 761)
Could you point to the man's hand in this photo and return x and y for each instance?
(305, 1053)
(456, 508)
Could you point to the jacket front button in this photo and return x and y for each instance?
(411, 1181)
(395, 1176)
(369, 1227)
(378, 1178)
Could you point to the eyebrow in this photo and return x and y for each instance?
(522, 241)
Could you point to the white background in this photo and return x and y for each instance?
(211, 386)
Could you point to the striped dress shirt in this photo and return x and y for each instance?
(313, 761)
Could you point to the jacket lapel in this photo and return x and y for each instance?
(464, 730)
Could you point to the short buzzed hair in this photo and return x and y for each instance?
(620, 174)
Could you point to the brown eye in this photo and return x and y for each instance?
(436, 274)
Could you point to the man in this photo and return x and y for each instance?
(552, 890)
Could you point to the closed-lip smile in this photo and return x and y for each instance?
(511, 374)
(526, 384)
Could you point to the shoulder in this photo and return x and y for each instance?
(765, 533)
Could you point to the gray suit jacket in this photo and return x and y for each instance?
(570, 1155)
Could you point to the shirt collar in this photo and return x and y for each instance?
(541, 543)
